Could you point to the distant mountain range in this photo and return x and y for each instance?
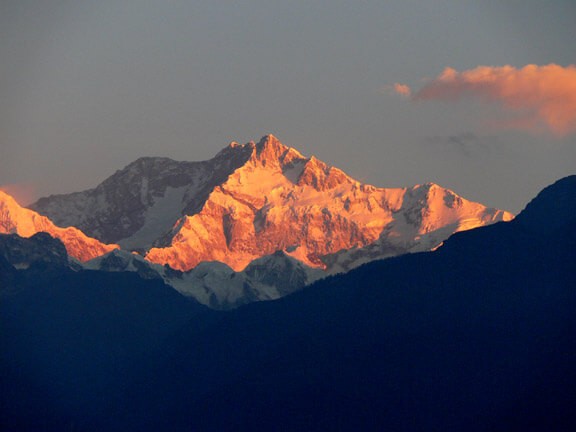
(477, 335)
(250, 204)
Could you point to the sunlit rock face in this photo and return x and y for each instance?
(15, 219)
(252, 200)
(141, 202)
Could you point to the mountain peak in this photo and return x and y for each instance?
(321, 176)
(7, 199)
(269, 140)
(270, 147)
(271, 153)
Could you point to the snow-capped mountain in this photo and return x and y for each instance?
(15, 219)
(253, 200)
(215, 284)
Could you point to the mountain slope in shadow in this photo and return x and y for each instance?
(478, 335)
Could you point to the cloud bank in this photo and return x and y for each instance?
(537, 96)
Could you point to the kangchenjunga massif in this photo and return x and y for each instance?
(256, 222)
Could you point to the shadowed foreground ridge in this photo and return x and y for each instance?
(478, 335)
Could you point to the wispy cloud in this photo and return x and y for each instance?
(402, 89)
(468, 144)
(537, 96)
(397, 89)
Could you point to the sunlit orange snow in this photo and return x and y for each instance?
(281, 200)
(23, 193)
(15, 219)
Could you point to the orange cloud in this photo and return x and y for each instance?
(402, 89)
(538, 96)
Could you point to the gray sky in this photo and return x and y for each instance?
(86, 87)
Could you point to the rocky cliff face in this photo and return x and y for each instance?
(252, 200)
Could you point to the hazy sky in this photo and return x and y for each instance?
(88, 86)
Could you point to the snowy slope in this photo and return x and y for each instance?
(215, 284)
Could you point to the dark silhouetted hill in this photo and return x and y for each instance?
(478, 335)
